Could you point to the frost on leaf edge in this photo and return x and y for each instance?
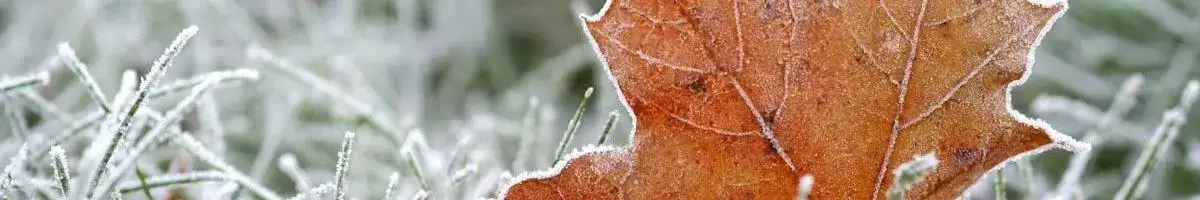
(590, 148)
(1058, 139)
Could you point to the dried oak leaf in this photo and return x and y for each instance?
(737, 99)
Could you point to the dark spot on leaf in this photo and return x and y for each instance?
(769, 11)
(943, 25)
(770, 151)
(803, 64)
(697, 86)
(769, 116)
(968, 155)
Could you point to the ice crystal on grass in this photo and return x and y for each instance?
(392, 63)
(389, 193)
(67, 54)
(1163, 137)
(62, 173)
(343, 165)
(14, 83)
(149, 81)
(172, 180)
(289, 166)
(324, 188)
(14, 164)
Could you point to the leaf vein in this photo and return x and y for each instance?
(903, 90)
(649, 58)
(710, 128)
(973, 10)
(967, 78)
(892, 19)
(766, 128)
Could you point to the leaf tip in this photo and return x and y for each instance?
(568, 159)
(586, 18)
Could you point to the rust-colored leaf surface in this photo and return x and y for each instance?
(736, 99)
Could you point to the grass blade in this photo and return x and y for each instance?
(58, 159)
(289, 166)
(573, 126)
(998, 185)
(169, 180)
(220, 76)
(149, 81)
(376, 120)
(804, 189)
(1124, 101)
(152, 136)
(141, 175)
(192, 146)
(324, 188)
(389, 193)
(613, 118)
(1163, 137)
(343, 165)
(415, 166)
(16, 163)
(40, 78)
(910, 173)
(67, 55)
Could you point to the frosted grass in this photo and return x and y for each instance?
(343, 165)
(149, 81)
(909, 174)
(35, 79)
(804, 189)
(402, 51)
(287, 163)
(62, 173)
(1163, 137)
(67, 54)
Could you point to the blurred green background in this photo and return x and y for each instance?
(491, 85)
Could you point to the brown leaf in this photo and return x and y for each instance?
(736, 99)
